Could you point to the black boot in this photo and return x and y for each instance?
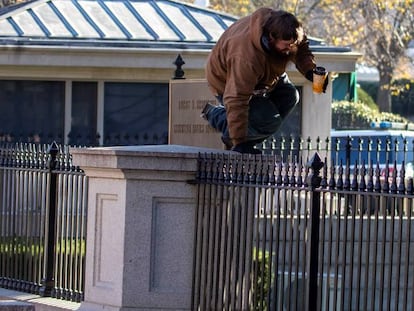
(207, 108)
(246, 147)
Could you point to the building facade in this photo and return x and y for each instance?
(97, 72)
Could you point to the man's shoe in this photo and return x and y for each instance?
(246, 147)
(227, 143)
(207, 108)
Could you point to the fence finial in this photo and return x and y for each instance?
(315, 163)
(179, 72)
(53, 151)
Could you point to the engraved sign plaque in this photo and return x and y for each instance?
(186, 127)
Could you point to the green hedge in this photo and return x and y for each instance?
(351, 115)
(366, 99)
(371, 88)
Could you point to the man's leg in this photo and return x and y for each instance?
(264, 119)
(217, 118)
(267, 114)
(285, 96)
(259, 111)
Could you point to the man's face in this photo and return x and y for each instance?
(283, 47)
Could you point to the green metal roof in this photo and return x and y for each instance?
(111, 22)
(117, 23)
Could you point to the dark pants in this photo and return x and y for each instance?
(265, 113)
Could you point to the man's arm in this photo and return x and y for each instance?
(304, 59)
(305, 62)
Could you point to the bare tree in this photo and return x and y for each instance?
(380, 30)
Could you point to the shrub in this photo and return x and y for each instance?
(261, 287)
(402, 97)
(366, 99)
(371, 88)
(351, 115)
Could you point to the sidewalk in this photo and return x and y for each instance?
(11, 300)
(10, 304)
(7, 304)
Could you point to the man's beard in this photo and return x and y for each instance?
(280, 54)
(264, 40)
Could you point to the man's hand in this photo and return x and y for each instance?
(325, 83)
(246, 147)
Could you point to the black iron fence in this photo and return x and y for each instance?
(275, 234)
(88, 139)
(280, 231)
(43, 221)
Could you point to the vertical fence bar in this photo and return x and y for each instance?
(406, 299)
(210, 230)
(47, 280)
(72, 240)
(43, 185)
(3, 220)
(12, 216)
(17, 275)
(195, 293)
(276, 216)
(217, 176)
(241, 245)
(314, 181)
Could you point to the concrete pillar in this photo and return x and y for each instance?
(141, 224)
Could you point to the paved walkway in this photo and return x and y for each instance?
(11, 300)
(8, 304)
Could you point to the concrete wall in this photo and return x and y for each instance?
(141, 215)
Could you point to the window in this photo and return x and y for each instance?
(135, 113)
(32, 111)
(84, 114)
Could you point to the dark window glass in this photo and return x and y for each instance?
(136, 113)
(84, 102)
(32, 111)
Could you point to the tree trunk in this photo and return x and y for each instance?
(384, 92)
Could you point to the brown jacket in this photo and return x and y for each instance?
(238, 65)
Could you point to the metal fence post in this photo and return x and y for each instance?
(348, 149)
(49, 245)
(312, 281)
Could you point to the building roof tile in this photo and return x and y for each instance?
(117, 21)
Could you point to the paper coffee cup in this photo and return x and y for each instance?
(319, 76)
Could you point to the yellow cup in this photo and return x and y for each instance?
(319, 77)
